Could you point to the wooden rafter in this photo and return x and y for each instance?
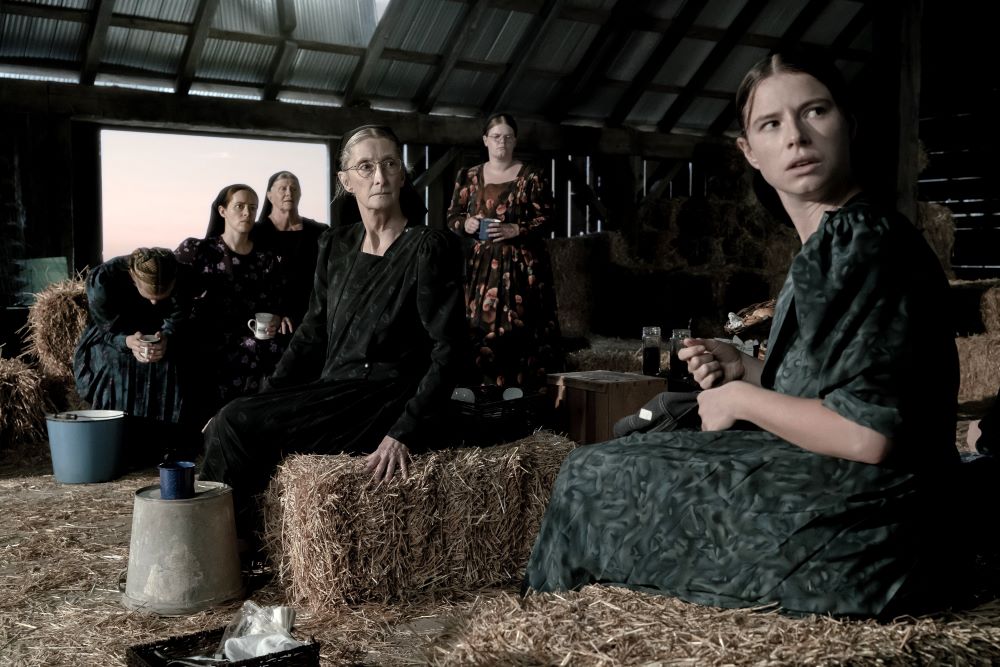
(791, 37)
(522, 54)
(606, 45)
(281, 64)
(668, 42)
(366, 66)
(433, 84)
(195, 45)
(712, 61)
(434, 171)
(96, 39)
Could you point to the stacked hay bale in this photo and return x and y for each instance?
(23, 404)
(464, 518)
(979, 354)
(55, 323)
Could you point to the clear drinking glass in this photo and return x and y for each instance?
(678, 369)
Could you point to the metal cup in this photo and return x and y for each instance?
(176, 480)
(484, 225)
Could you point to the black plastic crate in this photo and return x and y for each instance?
(163, 652)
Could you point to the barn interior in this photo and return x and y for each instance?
(630, 107)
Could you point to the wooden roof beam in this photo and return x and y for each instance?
(434, 171)
(607, 44)
(96, 39)
(668, 42)
(366, 66)
(284, 57)
(711, 64)
(433, 83)
(525, 48)
(195, 45)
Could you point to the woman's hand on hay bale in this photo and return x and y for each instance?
(712, 363)
(391, 455)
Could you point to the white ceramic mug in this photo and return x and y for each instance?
(261, 324)
(145, 341)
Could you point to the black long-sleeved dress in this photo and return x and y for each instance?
(108, 376)
(298, 250)
(377, 354)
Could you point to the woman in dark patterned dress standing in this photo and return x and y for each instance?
(833, 500)
(235, 281)
(509, 295)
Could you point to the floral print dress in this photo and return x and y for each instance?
(509, 295)
(232, 289)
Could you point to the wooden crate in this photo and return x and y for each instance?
(588, 403)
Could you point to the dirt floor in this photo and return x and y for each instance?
(64, 552)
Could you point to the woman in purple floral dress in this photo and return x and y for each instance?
(509, 296)
(236, 281)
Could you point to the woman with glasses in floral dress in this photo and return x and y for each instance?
(378, 352)
(509, 297)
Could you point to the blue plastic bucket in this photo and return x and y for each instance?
(86, 445)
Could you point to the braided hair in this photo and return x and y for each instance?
(155, 268)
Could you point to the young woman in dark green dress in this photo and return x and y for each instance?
(378, 352)
(831, 501)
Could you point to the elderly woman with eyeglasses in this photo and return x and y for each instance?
(377, 355)
(503, 208)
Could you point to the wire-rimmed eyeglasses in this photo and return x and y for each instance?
(505, 138)
(366, 168)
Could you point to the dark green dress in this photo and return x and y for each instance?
(743, 518)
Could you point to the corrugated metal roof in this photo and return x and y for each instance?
(650, 108)
(498, 36)
(532, 92)
(68, 4)
(683, 62)
(599, 102)
(831, 22)
(564, 43)
(665, 9)
(31, 37)
(426, 28)
(135, 83)
(634, 54)
(235, 61)
(180, 11)
(393, 78)
(776, 17)
(326, 71)
(734, 67)
(719, 13)
(592, 4)
(144, 49)
(467, 87)
(702, 112)
(348, 22)
(257, 17)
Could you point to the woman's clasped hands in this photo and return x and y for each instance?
(717, 368)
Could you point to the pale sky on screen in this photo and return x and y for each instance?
(157, 188)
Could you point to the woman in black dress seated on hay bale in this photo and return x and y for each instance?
(829, 500)
(378, 352)
(143, 294)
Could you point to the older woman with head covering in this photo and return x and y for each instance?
(377, 355)
(132, 353)
(281, 230)
(236, 281)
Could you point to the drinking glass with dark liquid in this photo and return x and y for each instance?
(678, 369)
(650, 350)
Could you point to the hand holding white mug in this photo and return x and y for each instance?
(147, 348)
(264, 326)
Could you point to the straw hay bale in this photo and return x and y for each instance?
(464, 518)
(22, 404)
(979, 362)
(938, 227)
(609, 626)
(989, 309)
(55, 323)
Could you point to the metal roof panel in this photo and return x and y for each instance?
(831, 22)
(598, 102)
(322, 70)
(144, 49)
(732, 70)
(532, 92)
(702, 112)
(179, 11)
(650, 108)
(241, 62)
(467, 87)
(665, 9)
(775, 18)
(257, 17)
(719, 13)
(564, 42)
(685, 60)
(394, 78)
(426, 27)
(32, 37)
(497, 37)
(348, 22)
(634, 54)
(68, 4)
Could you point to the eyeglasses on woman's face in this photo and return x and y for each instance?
(366, 168)
(500, 138)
